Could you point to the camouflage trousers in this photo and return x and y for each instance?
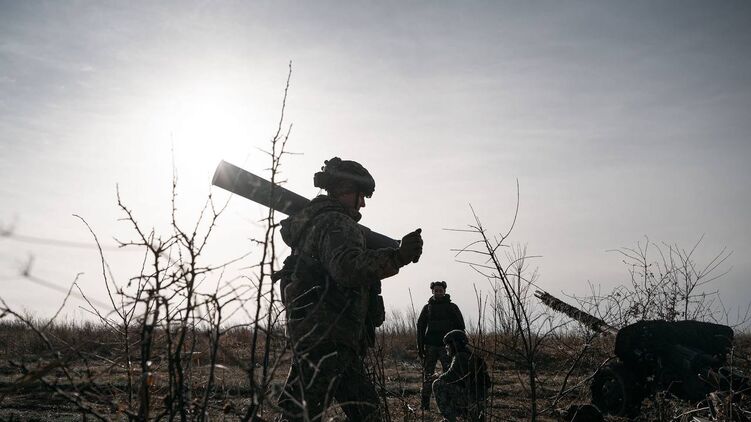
(433, 354)
(323, 373)
(454, 400)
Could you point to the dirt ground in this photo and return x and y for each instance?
(403, 379)
(24, 398)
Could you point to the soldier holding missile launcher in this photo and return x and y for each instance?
(331, 289)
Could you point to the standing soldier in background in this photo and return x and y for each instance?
(437, 318)
(330, 288)
(461, 391)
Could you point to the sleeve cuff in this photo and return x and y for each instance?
(398, 259)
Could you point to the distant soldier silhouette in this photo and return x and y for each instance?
(436, 319)
(461, 391)
(331, 290)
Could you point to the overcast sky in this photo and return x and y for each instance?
(620, 120)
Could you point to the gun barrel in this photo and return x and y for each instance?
(246, 184)
(589, 320)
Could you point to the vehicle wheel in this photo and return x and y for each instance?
(615, 392)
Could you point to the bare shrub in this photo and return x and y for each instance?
(665, 282)
(162, 345)
(519, 328)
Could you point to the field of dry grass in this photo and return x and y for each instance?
(88, 370)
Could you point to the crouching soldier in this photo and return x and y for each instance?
(437, 318)
(461, 391)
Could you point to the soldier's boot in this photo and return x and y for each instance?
(425, 403)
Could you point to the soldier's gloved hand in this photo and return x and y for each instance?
(410, 248)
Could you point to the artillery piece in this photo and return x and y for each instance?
(685, 358)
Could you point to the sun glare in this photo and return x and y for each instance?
(204, 121)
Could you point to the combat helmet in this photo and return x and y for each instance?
(456, 337)
(340, 176)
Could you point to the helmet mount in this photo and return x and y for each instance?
(339, 176)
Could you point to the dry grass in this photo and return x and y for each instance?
(92, 348)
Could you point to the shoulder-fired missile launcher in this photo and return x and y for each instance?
(246, 184)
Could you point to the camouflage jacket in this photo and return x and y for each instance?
(436, 319)
(469, 371)
(328, 297)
